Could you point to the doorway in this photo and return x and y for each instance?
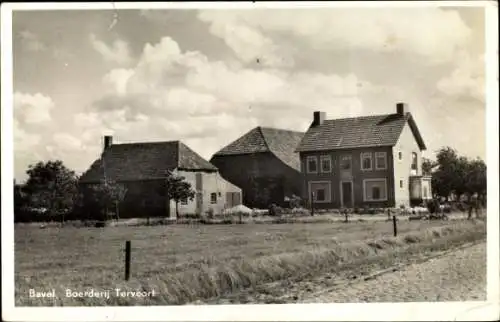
(347, 194)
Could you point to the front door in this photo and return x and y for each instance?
(347, 196)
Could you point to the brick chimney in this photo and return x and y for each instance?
(402, 108)
(319, 118)
(108, 141)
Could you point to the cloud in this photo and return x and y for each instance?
(31, 41)
(119, 52)
(431, 33)
(247, 42)
(32, 108)
(466, 80)
(171, 95)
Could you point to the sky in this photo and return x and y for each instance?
(206, 77)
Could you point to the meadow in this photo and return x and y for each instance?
(185, 263)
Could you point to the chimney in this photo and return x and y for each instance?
(402, 108)
(108, 141)
(319, 118)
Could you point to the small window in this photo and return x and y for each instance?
(380, 160)
(213, 198)
(326, 164)
(345, 162)
(401, 183)
(366, 161)
(184, 202)
(312, 165)
(400, 155)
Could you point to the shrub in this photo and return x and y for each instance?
(433, 206)
(210, 213)
(275, 210)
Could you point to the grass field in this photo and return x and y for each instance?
(184, 263)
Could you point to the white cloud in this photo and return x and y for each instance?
(432, 33)
(32, 108)
(24, 141)
(467, 79)
(171, 95)
(119, 52)
(247, 42)
(117, 79)
(65, 142)
(31, 41)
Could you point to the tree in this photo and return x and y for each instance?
(51, 185)
(458, 174)
(178, 189)
(476, 178)
(427, 165)
(106, 196)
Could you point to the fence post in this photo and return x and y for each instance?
(312, 203)
(395, 226)
(127, 260)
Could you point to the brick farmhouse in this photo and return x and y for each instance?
(367, 161)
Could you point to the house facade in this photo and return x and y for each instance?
(264, 164)
(368, 161)
(142, 168)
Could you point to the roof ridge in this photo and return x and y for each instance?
(178, 154)
(280, 129)
(259, 128)
(361, 116)
(150, 142)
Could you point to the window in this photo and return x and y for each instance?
(326, 163)
(401, 183)
(414, 161)
(400, 155)
(381, 160)
(312, 165)
(345, 162)
(320, 191)
(184, 202)
(366, 161)
(213, 198)
(374, 189)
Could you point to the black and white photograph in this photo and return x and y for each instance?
(250, 161)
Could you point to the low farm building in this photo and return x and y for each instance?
(142, 167)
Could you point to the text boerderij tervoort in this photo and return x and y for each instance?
(93, 293)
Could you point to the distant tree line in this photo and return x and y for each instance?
(52, 193)
(456, 175)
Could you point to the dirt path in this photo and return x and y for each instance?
(458, 276)
(453, 275)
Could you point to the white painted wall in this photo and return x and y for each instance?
(211, 183)
(402, 168)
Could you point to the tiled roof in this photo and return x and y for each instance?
(282, 143)
(142, 161)
(358, 132)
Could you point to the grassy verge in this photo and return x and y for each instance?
(219, 279)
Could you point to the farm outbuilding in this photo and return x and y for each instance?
(142, 167)
(263, 163)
